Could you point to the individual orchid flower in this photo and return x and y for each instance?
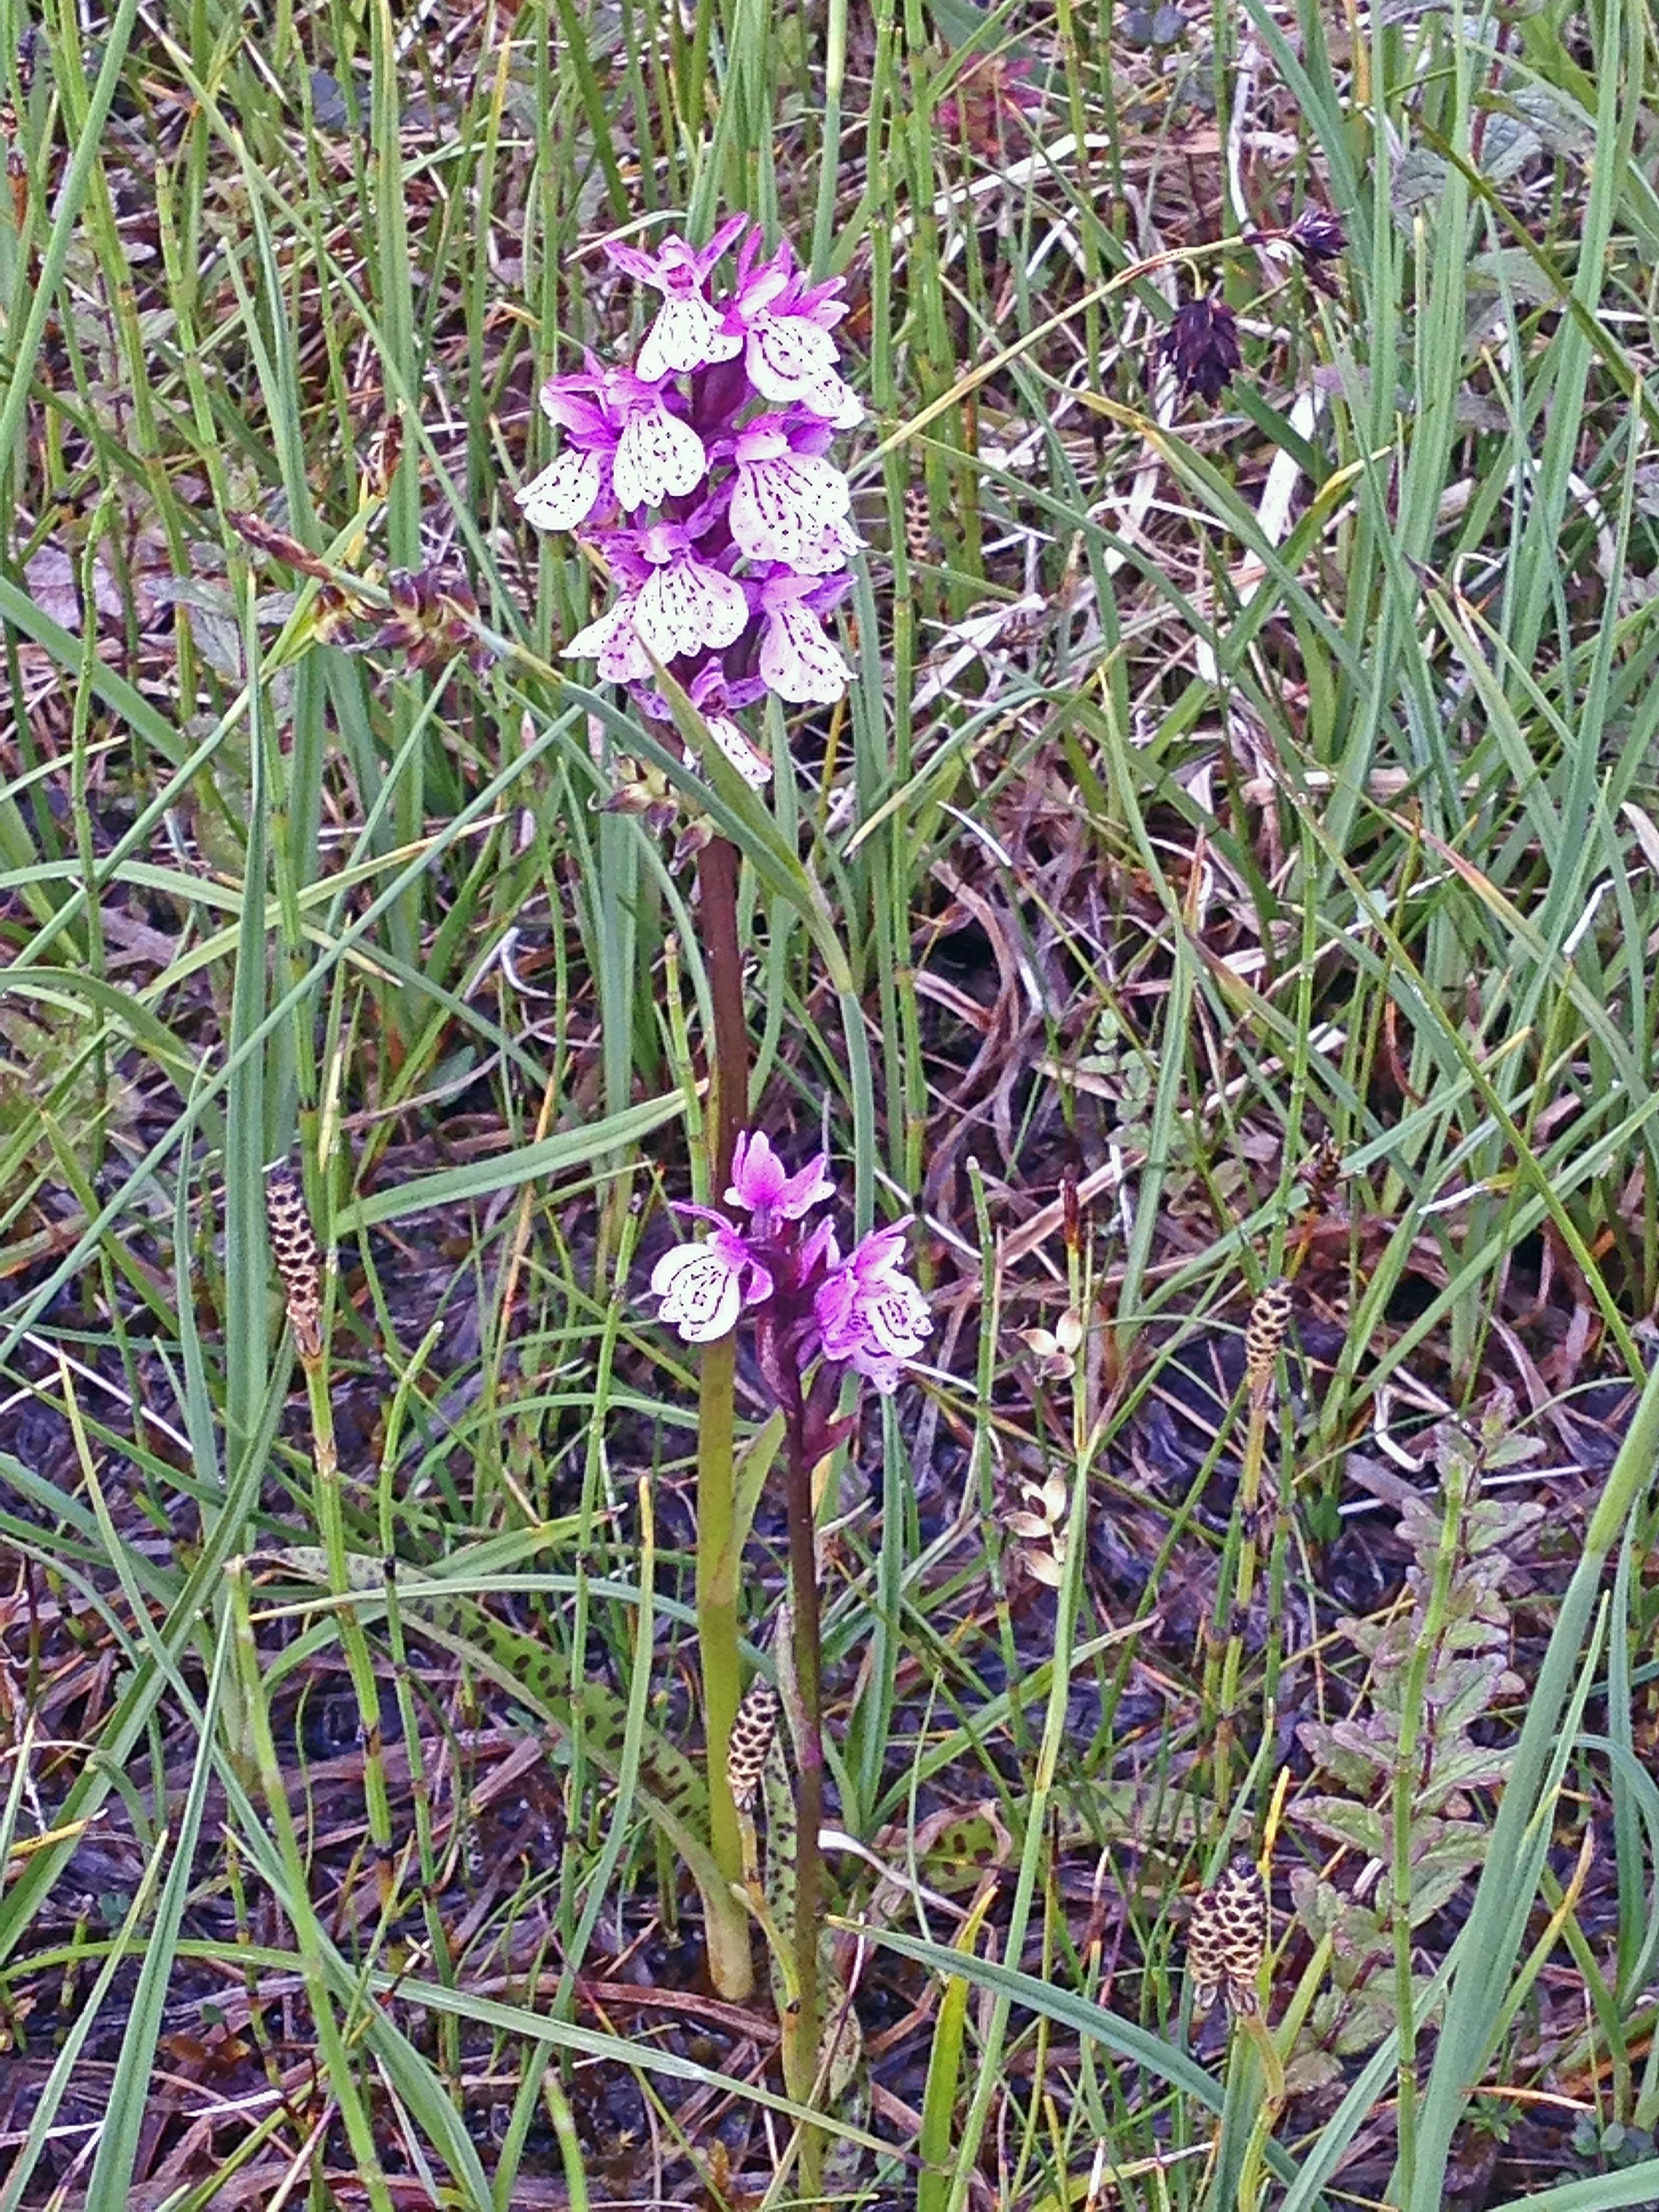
(765, 1190)
(718, 698)
(622, 437)
(869, 1312)
(789, 358)
(704, 1286)
(688, 333)
(797, 658)
(788, 503)
(685, 605)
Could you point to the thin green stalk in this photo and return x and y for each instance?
(719, 1546)
(1412, 1714)
(328, 1506)
(1260, 2038)
(308, 1931)
(806, 1715)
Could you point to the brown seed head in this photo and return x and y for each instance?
(298, 1256)
(1264, 1333)
(752, 1732)
(1323, 1171)
(918, 525)
(1227, 1939)
(265, 537)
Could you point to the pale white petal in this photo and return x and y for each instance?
(782, 505)
(701, 1292)
(657, 457)
(751, 765)
(835, 400)
(899, 1320)
(830, 550)
(563, 494)
(687, 605)
(685, 334)
(786, 355)
(613, 641)
(673, 1262)
(797, 660)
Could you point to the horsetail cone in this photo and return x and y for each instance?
(752, 1731)
(1227, 1939)
(298, 1258)
(1264, 1333)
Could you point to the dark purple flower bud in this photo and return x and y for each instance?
(1318, 237)
(1317, 233)
(431, 616)
(1201, 346)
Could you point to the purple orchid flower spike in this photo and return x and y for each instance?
(869, 1312)
(700, 478)
(688, 333)
(816, 1311)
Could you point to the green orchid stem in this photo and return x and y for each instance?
(801, 2043)
(732, 1969)
(719, 1554)
(1272, 2100)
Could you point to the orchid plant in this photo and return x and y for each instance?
(699, 476)
(814, 1317)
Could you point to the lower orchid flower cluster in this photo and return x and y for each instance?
(809, 1306)
(699, 477)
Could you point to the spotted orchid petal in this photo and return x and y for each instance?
(751, 763)
(688, 334)
(784, 501)
(657, 457)
(563, 494)
(787, 357)
(797, 658)
(614, 643)
(835, 401)
(701, 1290)
(685, 606)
